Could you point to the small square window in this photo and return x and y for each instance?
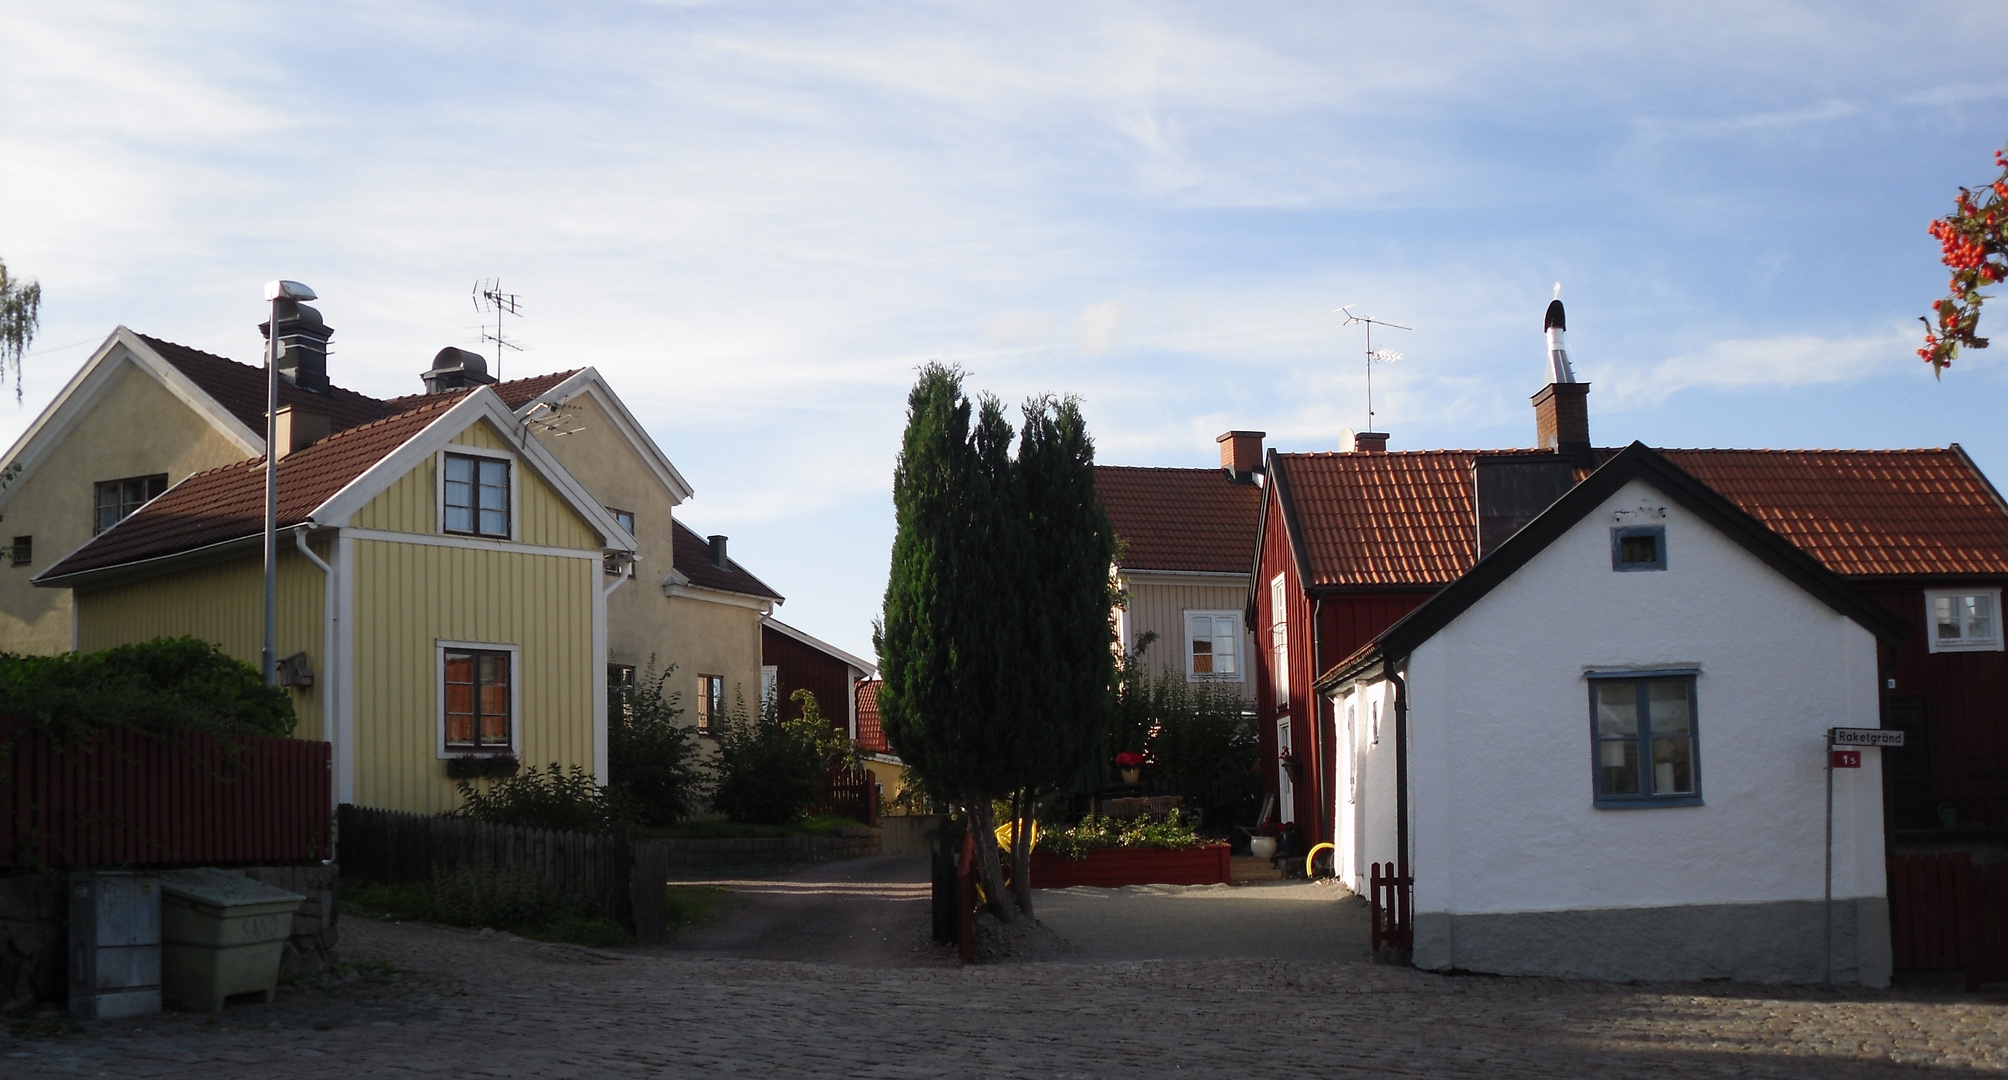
(23, 550)
(1213, 645)
(1638, 547)
(477, 496)
(1963, 620)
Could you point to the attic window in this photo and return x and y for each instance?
(1638, 547)
(114, 500)
(477, 495)
(1963, 620)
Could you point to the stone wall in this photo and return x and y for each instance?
(311, 949)
(33, 909)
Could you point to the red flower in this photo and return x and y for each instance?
(1128, 760)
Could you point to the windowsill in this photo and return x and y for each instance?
(1964, 646)
(1191, 678)
(476, 751)
(1648, 803)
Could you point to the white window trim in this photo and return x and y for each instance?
(439, 489)
(1279, 634)
(1931, 621)
(439, 650)
(1240, 645)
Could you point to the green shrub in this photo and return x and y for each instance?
(515, 900)
(163, 685)
(771, 769)
(556, 799)
(1186, 731)
(651, 758)
(1094, 833)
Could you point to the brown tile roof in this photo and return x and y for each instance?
(240, 388)
(1180, 519)
(1406, 519)
(871, 733)
(229, 503)
(691, 555)
(515, 393)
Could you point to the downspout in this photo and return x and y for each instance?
(1317, 729)
(1400, 767)
(330, 710)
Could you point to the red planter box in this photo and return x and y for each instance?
(1111, 868)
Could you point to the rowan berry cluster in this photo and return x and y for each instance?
(1974, 244)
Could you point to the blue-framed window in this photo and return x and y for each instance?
(1644, 745)
(1638, 547)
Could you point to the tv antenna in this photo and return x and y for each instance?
(489, 298)
(1383, 356)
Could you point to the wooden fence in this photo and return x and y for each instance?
(1947, 914)
(1391, 906)
(390, 847)
(849, 793)
(132, 799)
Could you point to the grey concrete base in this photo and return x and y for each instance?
(1775, 942)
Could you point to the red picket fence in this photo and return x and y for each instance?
(1946, 914)
(1391, 906)
(131, 799)
(850, 794)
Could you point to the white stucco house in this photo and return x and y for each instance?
(1602, 751)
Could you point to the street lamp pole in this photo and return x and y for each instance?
(276, 292)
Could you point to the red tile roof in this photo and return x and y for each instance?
(240, 389)
(871, 733)
(1406, 518)
(227, 504)
(691, 555)
(1180, 519)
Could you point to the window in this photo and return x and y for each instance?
(479, 706)
(115, 499)
(710, 702)
(1643, 729)
(1279, 642)
(23, 550)
(1963, 621)
(620, 689)
(616, 563)
(1213, 645)
(770, 683)
(1638, 547)
(477, 495)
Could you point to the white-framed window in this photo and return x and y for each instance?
(770, 682)
(710, 702)
(477, 493)
(618, 563)
(1279, 641)
(480, 697)
(1213, 645)
(1963, 620)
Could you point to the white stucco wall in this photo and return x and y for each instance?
(1502, 803)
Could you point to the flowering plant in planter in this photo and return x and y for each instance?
(1129, 760)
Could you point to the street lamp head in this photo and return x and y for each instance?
(288, 290)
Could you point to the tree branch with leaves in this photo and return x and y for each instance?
(1974, 241)
(20, 313)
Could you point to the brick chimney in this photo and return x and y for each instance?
(298, 427)
(1241, 454)
(1362, 442)
(1562, 408)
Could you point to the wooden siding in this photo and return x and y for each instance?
(1966, 711)
(543, 517)
(408, 597)
(800, 667)
(222, 603)
(1159, 607)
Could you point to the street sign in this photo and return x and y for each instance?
(1864, 736)
(1847, 759)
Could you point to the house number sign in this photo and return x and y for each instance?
(1847, 759)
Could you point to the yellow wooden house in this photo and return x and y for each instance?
(443, 587)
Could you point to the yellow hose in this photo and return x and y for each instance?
(1314, 854)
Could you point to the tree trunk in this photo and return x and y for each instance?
(989, 870)
(1021, 852)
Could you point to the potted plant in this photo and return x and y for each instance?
(1131, 765)
(1262, 843)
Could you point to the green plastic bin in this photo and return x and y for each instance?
(221, 934)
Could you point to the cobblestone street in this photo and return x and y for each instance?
(462, 1004)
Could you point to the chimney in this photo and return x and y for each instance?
(456, 369)
(1562, 408)
(1241, 454)
(718, 552)
(297, 428)
(1362, 442)
(303, 345)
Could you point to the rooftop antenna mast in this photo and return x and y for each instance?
(489, 298)
(1384, 356)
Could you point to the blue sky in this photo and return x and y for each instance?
(758, 219)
